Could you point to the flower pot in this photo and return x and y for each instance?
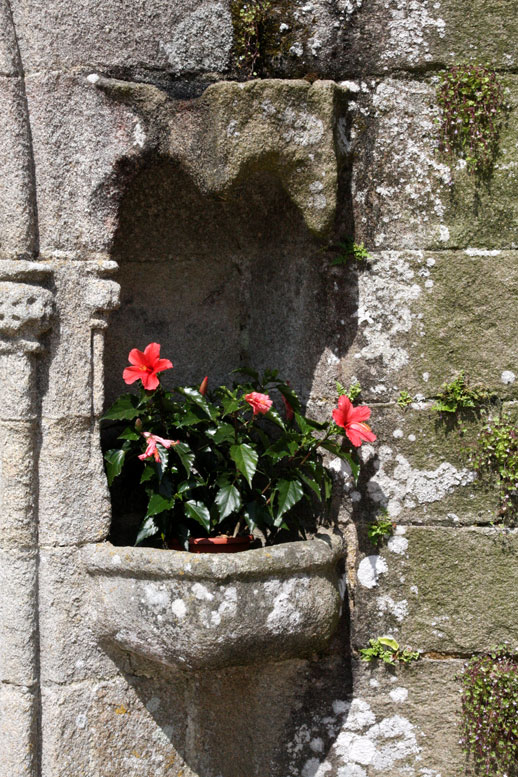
(221, 544)
(203, 611)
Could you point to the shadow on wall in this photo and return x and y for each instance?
(222, 281)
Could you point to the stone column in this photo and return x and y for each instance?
(25, 311)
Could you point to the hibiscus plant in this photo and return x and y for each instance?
(228, 461)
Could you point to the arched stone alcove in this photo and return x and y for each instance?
(221, 281)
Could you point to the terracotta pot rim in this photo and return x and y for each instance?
(221, 544)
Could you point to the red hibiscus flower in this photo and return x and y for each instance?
(146, 364)
(260, 403)
(151, 450)
(352, 420)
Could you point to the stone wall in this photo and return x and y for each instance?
(131, 156)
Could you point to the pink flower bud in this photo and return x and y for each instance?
(203, 385)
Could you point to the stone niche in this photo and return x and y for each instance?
(222, 220)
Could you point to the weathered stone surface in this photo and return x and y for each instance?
(18, 731)
(440, 590)
(17, 196)
(407, 195)
(187, 610)
(74, 503)
(467, 309)
(17, 474)
(422, 317)
(401, 721)
(145, 35)
(69, 651)
(104, 726)
(419, 470)
(78, 137)
(18, 616)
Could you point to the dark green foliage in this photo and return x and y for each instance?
(490, 712)
(472, 103)
(496, 457)
(386, 649)
(460, 395)
(219, 469)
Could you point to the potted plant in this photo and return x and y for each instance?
(213, 469)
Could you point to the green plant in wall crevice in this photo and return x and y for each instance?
(389, 651)
(471, 98)
(460, 394)
(489, 712)
(380, 528)
(495, 457)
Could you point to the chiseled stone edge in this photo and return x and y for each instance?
(105, 559)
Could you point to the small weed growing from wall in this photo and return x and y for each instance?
(489, 712)
(261, 34)
(381, 528)
(460, 395)
(496, 456)
(386, 649)
(404, 400)
(353, 392)
(472, 102)
(350, 252)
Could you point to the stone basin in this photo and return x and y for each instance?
(207, 611)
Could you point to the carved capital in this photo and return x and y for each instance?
(25, 314)
(101, 297)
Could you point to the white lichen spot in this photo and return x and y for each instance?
(482, 252)
(317, 745)
(201, 592)
(507, 377)
(93, 78)
(398, 609)
(116, 560)
(398, 545)
(395, 740)
(296, 50)
(302, 128)
(340, 707)
(179, 608)
(397, 433)
(397, 484)
(374, 683)
(285, 614)
(81, 720)
(399, 694)
(370, 569)
(360, 715)
(444, 233)
(153, 704)
(139, 135)
(232, 129)
(156, 597)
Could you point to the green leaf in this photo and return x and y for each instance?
(311, 483)
(274, 416)
(256, 515)
(198, 512)
(148, 527)
(158, 504)
(129, 434)
(185, 455)
(230, 405)
(123, 409)
(245, 459)
(224, 433)
(228, 500)
(289, 493)
(195, 396)
(389, 642)
(247, 371)
(114, 461)
(149, 472)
